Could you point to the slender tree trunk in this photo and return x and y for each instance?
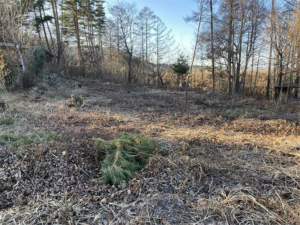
(297, 81)
(270, 52)
(250, 48)
(102, 51)
(233, 83)
(118, 40)
(147, 48)
(58, 35)
(229, 47)
(157, 59)
(256, 74)
(110, 45)
(280, 69)
(202, 69)
(292, 62)
(143, 53)
(194, 54)
(21, 58)
(240, 45)
(297, 59)
(49, 31)
(243, 79)
(77, 32)
(249, 52)
(129, 78)
(38, 30)
(44, 30)
(129, 50)
(252, 70)
(233, 68)
(212, 45)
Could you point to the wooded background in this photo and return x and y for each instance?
(243, 46)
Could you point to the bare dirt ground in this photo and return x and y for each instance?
(213, 166)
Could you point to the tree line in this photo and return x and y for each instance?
(134, 43)
(244, 39)
(247, 46)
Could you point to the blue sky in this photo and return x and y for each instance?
(172, 13)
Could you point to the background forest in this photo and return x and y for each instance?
(245, 46)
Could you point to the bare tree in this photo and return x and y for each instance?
(270, 50)
(13, 15)
(163, 44)
(124, 16)
(146, 22)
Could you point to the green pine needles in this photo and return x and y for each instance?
(124, 156)
(19, 139)
(181, 66)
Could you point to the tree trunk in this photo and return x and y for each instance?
(252, 70)
(157, 55)
(297, 81)
(21, 58)
(58, 36)
(249, 52)
(240, 45)
(44, 30)
(229, 48)
(50, 33)
(129, 78)
(256, 74)
(147, 25)
(79, 50)
(270, 52)
(212, 46)
(280, 76)
(143, 54)
(38, 30)
(194, 55)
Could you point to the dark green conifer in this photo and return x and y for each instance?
(181, 68)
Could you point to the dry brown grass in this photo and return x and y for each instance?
(213, 166)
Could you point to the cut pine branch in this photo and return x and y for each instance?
(124, 156)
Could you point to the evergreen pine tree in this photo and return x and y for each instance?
(83, 22)
(71, 27)
(181, 68)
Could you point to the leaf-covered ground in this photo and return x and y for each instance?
(214, 165)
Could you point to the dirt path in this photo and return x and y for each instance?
(214, 166)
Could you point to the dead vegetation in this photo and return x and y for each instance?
(213, 166)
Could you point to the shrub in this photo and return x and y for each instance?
(36, 60)
(35, 64)
(124, 156)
